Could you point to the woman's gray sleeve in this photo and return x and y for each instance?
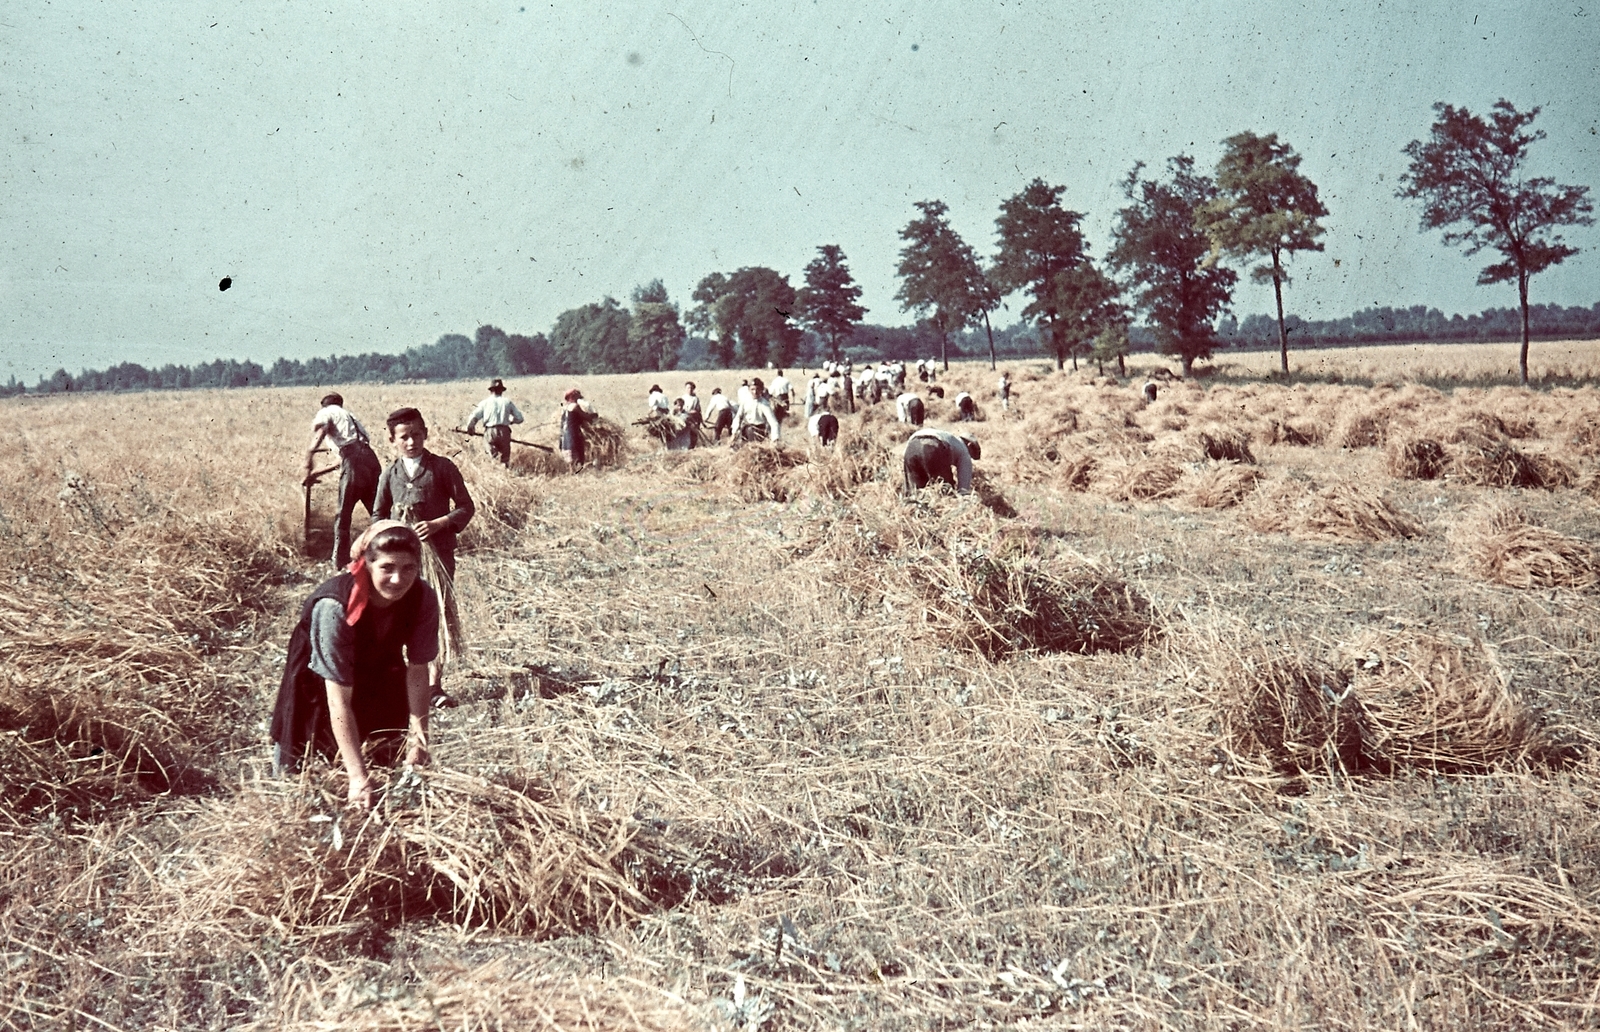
(332, 643)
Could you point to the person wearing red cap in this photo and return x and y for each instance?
(355, 684)
(576, 412)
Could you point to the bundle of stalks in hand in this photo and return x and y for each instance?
(450, 637)
(605, 443)
(1343, 510)
(1432, 704)
(661, 426)
(1498, 464)
(1415, 458)
(505, 853)
(1500, 543)
(760, 471)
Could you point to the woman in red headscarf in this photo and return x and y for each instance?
(357, 673)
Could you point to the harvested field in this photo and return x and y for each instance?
(1192, 717)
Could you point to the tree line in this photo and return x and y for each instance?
(1172, 261)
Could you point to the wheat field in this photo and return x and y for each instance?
(1266, 705)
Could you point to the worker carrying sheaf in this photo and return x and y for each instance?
(939, 456)
(497, 413)
(355, 684)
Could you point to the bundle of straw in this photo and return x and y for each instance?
(1500, 543)
(506, 853)
(1225, 444)
(450, 636)
(1498, 464)
(1304, 433)
(1218, 485)
(1144, 478)
(605, 443)
(760, 471)
(1343, 510)
(858, 457)
(1360, 430)
(1415, 458)
(1432, 704)
(1284, 709)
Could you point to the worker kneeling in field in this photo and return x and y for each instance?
(357, 673)
(939, 456)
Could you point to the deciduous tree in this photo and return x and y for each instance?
(1264, 208)
(654, 332)
(593, 339)
(1042, 252)
(1162, 253)
(941, 279)
(828, 301)
(1470, 177)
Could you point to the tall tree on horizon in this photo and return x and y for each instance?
(1162, 252)
(1470, 175)
(654, 332)
(941, 279)
(828, 302)
(1042, 251)
(1264, 208)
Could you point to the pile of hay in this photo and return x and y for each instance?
(1498, 464)
(505, 502)
(1500, 543)
(536, 462)
(1137, 478)
(999, 600)
(1416, 458)
(857, 457)
(1432, 704)
(762, 471)
(1360, 430)
(1344, 510)
(506, 853)
(1278, 707)
(605, 443)
(1218, 485)
(1301, 433)
(1225, 444)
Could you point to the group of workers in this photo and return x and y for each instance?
(362, 671)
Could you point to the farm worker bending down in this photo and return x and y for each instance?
(358, 466)
(969, 408)
(939, 455)
(755, 420)
(908, 408)
(357, 672)
(496, 413)
(824, 426)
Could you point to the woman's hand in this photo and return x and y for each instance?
(360, 796)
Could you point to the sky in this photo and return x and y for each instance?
(374, 176)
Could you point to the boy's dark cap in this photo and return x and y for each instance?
(332, 399)
(498, 387)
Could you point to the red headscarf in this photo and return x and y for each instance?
(361, 592)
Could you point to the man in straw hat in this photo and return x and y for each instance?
(355, 685)
(497, 413)
(939, 456)
(358, 465)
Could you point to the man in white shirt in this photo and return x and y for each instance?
(781, 395)
(359, 468)
(719, 413)
(908, 408)
(824, 426)
(497, 413)
(754, 420)
(811, 391)
(939, 456)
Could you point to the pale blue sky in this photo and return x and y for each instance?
(374, 177)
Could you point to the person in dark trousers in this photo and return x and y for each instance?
(968, 407)
(939, 456)
(355, 684)
(576, 413)
(719, 414)
(824, 426)
(423, 489)
(358, 465)
(497, 413)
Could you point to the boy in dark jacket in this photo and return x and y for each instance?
(423, 489)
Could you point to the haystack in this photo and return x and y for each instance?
(761, 471)
(1498, 464)
(1498, 542)
(1343, 510)
(1415, 458)
(857, 457)
(1000, 602)
(1437, 704)
(506, 853)
(1285, 710)
(1137, 478)
(605, 442)
(1218, 485)
(1222, 443)
(535, 462)
(1360, 430)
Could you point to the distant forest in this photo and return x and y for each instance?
(493, 352)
